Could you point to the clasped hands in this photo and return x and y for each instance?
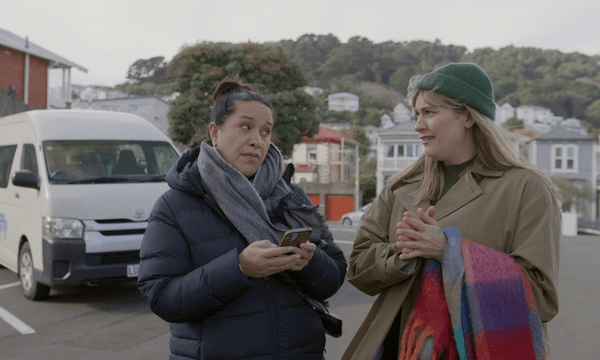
(263, 258)
(419, 235)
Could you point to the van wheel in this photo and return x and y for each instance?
(32, 289)
(347, 222)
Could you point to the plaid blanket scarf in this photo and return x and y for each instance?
(477, 305)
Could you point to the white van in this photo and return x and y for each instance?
(76, 189)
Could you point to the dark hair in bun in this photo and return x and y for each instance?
(227, 93)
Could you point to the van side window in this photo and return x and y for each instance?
(7, 153)
(29, 160)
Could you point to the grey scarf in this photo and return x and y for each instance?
(261, 208)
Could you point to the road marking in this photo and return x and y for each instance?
(344, 242)
(15, 322)
(2, 287)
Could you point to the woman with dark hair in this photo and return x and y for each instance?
(209, 261)
(462, 246)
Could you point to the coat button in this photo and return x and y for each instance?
(383, 252)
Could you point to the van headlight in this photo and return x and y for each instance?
(62, 228)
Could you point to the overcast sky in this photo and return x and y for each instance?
(106, 37)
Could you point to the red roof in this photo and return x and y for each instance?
(327, 134)
(304, 168)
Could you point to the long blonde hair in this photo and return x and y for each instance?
(493, 144)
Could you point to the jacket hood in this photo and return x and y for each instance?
(184, 174)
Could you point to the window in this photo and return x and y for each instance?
(96, 161)
(388, 151)
(29, 159)
(7, 153)
(312, 152)
(565, 158)
(402, 151)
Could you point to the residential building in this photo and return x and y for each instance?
(504, 112)
(573, 125)
(386, 122)
(342, 101)
(536, 114)
(397, 148)
(329, 156)
(402, 113)
(151, 108)
(27, 67)
(372, 131)
(571, 155)
(312, 90)
(324, 163)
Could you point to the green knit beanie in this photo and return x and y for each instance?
(466, 82)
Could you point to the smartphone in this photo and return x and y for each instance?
(295, 237)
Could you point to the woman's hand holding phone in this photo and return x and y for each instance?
(262, 258)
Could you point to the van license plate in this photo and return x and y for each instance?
(133, 270)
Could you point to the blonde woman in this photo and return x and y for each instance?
(462, 247)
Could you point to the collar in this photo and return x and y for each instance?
(464, 191)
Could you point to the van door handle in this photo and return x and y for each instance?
(17, 195)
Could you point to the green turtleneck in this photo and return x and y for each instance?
(451, 177)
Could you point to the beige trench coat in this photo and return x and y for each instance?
(512, 211)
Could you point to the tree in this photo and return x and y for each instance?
(153, 70)
(572, 193)
(200, 67)
(513, 123)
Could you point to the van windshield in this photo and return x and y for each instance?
(107, 161)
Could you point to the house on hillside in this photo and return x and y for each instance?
(402, 113)
(330, 153)
(151, 108)
(324, 164)
(312, 90)
(565, 154)
(397, 148)
(27, 67)
(530, 115)
(372, 132)
(342, 101)
(503, 113)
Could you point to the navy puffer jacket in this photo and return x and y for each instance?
(190, 275)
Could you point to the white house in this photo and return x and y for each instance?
(342, 101)
(573, 125)
(504, 112)
(372, 132)
(402, 113)
(532, 114)
(150, 108)
(386, 122)
(312, 90)
(397, 148)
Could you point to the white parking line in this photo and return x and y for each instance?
(15, 322)
(6, 286)
(344, 242)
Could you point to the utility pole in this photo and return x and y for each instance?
(357, 178)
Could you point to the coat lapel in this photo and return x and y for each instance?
(463, 192)
(459, 195)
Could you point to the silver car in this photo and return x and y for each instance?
(352, 218)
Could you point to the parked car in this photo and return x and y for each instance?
(352, 218)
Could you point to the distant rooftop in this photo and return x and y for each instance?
(403, 127)
(327, 133)
(561, 133)
(15, 42)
